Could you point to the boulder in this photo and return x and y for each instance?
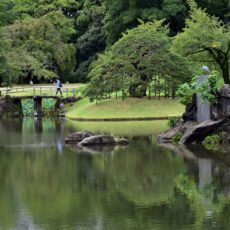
(98, 140)
(167, 137)
(190, 113)
(222, 108)
(122, 141)
(77, 137)
(10, 107)
(225, 91)
(199, 132)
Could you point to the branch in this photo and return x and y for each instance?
(228, 50)
(197, 51)
(215, 56)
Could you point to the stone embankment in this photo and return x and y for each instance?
(191, 131)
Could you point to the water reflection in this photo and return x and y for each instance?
(206, 184)
(142, 186)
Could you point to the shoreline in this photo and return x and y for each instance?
(120, 119)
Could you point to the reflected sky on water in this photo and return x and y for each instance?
(47, 185)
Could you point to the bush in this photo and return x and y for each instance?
(48, 107)
(177, 138)
(208, 90)
(185, 93)
(214, 142)
(172, 121)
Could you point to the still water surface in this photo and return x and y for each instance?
(46, 185)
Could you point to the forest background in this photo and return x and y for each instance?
(72, 39)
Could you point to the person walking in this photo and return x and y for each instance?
(59, 86)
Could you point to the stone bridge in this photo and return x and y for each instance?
(12, 106)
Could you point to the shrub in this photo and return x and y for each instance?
(214, 142)
(172, 121)
(207, 90)
(176, 138)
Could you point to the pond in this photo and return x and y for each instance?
(46, 185)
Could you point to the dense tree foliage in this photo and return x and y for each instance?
(90, 38)
(140, 56)
(123, 14)
(77, 30)
(205, 34)
(38, 47)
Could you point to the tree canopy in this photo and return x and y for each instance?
(81, 30)
(207, 34)
(133, 61)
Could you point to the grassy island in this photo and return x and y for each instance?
(129, 109)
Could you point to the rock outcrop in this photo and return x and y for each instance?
(167, 137)
(122, 141)
(75, 138)
(190, 110)
(199, 132)
(193, 132)
(222, 108)
(98, 140)
(94, 142)
(11, 107)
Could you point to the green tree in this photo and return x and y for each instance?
(141, 54)
(22, 9)
(5, 14)
(90, 38)
(205, 34)
(39, 47)
(123, 14)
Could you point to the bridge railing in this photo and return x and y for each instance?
(37, 91)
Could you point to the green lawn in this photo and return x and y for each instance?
(130, 108)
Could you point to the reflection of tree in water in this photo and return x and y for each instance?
(143, 175)
(7, 200)
(207, 202)
(207, 188)
(78, 190)
(9, 130)
(132, 188)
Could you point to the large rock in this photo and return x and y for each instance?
(225, 91)
(167, 137)
(77, 137)
(190, 113)
(98, 140)
(122, 141)
(10, 107)
(199, 132)
(222, 108)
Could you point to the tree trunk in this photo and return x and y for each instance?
(173, 91)
(149, 90)
(225, 73)
(138, 90)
